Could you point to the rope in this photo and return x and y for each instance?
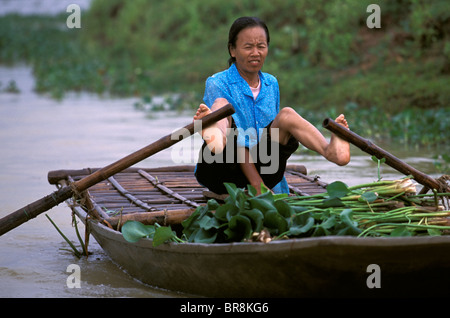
(443, 188)
(74, 188)
(81, 196)
(444, 182)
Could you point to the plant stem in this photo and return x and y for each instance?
(83, 246)
(75, 251)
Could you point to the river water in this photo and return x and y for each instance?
(39, 134)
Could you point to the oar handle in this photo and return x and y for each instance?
(32, 210)
(369, 147)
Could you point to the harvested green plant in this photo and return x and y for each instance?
(382, 208)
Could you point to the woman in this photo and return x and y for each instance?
(236, 149)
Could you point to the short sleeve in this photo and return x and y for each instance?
(213, 91)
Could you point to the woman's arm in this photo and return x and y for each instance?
(249, 169)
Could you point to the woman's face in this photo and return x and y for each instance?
(251, 50)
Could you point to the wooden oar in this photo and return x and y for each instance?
(32, 210)
(369, 147)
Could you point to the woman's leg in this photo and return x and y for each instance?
(289, 123)
(215, 135)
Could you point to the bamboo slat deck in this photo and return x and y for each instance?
(166, 194)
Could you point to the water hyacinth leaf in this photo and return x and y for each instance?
(162, 235)
(434, 232)
(328, 223)
(283, 208)
(192, 222)
(279, 196)
(193, 216)
(225, 212)
(268, 196)
(320, 231)
(273, 220)
(239, 228)
(208, 222)
(203, 236)
(368, 196)
(263, 203)
(351, 225)
(401, 231)
(231, 212)
(337, 189)
(231, 189)
(301, 224)
(299, 209)
(212, 204)
(133, 231)
(221, 212)
(198, 214)
(346, 217)
(331, 202)
(252, 191)
(264, 189)
(375, 159)
(256, 217)
(241, 200)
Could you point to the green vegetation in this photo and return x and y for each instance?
(59, 59)
(390, 82)
(75, 251)
(382, 208)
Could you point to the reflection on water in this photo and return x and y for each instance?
(38, 134)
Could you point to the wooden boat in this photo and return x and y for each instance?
(327, 266)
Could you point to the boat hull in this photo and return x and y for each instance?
(309, 267)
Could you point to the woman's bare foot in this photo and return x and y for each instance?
(339, 149)
(202, 111)
(214, 135)
(342, 121)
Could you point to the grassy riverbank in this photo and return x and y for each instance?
(391, 82)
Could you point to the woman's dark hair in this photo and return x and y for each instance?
(239, 25)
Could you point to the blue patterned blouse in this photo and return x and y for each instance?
(251, 115)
